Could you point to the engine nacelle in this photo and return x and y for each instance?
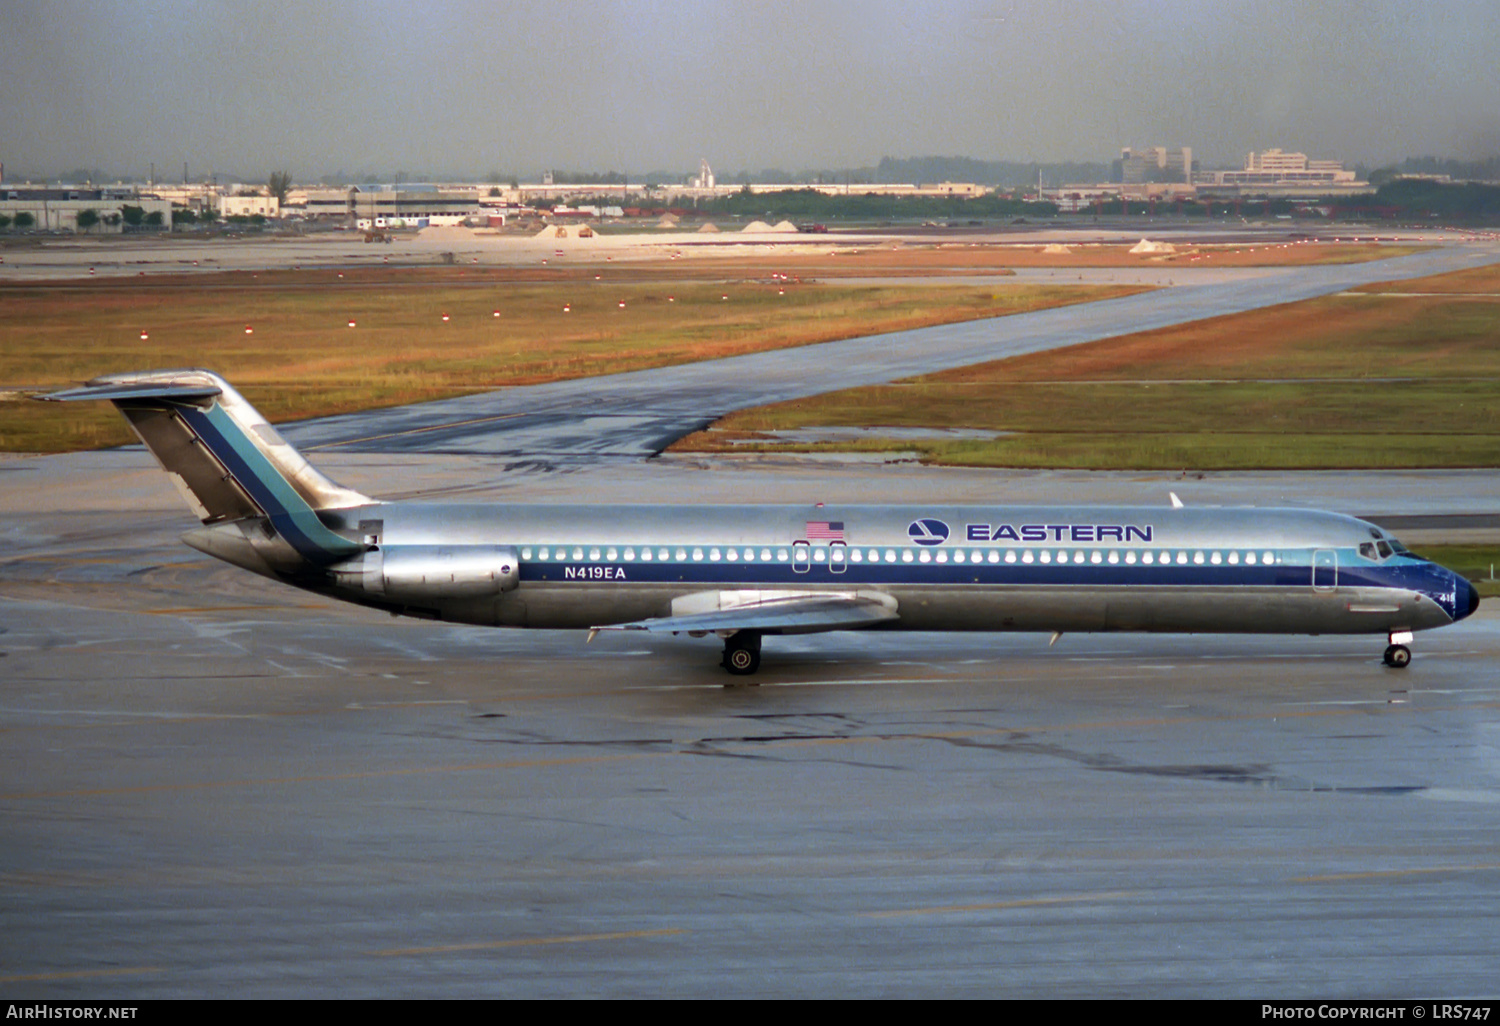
(428, 574)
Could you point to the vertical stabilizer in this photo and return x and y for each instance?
(227, 459)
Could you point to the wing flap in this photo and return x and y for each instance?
(779, 616)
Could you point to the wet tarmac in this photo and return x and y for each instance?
(216, 786)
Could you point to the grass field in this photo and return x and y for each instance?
(1476, 562)
(420, 334)
(1404, 375)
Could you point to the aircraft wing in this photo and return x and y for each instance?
(778, 616)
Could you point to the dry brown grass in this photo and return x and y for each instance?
(301, 359)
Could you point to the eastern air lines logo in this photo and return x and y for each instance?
(928, 531)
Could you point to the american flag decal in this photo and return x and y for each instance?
(825, 530)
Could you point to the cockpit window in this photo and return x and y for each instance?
(1367, 550)
(1385, 549)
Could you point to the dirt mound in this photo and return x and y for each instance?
(1147, 246)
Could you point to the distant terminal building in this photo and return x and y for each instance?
(1285, 174)
(249, 203)
(1156, 164)
(57, 208)
(416, 205)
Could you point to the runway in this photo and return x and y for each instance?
(217, 786)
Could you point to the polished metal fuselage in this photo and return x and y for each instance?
(976, 568)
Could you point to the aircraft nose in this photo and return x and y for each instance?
(1473, 602)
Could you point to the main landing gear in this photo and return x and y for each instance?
(1397, 655)
(742, 653)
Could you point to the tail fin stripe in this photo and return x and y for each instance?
(289, 513)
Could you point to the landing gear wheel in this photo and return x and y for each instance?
(742, 653)
(1397, 656)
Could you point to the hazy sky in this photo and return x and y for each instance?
(239, 86)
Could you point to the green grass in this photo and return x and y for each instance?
(1337, 382)
(1475, 562)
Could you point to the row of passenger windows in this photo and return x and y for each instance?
(839, 554)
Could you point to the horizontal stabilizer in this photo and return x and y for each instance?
(779, 616)
(125, 393)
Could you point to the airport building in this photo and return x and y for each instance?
(58, 208)
(1274, 172)
(1156, 164)
(249, 204)
(415, 205)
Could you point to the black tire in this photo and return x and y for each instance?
(1397, 657)
(742, 654)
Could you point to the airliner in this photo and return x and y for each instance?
(739, 573)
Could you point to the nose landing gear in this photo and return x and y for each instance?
(1397, 655)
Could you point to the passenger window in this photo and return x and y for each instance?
(681, 555)
(890, 555)
(906, 555)
(1010, 555)
(629, 555)
(924, 556)
(525, 553)
(1046, 556)
(1078, 557)
(1198, 558)
(665, 554)
(942, 557)
(646, 555)
(577, 554)
(994, 556)
(612, 554)
(713, 554)
(1026, 556)
(1268, 558)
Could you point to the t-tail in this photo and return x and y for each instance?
(258, 498)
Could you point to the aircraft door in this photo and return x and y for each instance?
(801, 557)
(838, 557)
(1325, 570)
